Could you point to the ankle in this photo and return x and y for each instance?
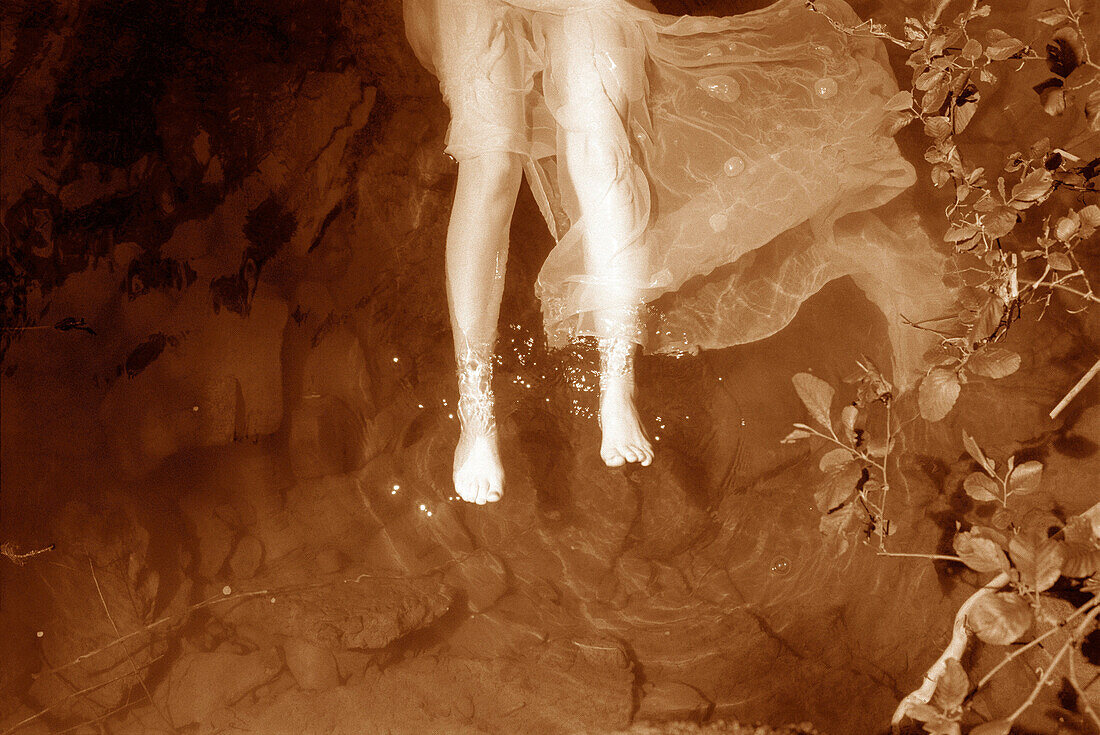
(616, 365)
(476, 403)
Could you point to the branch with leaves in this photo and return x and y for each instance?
(856, 464)
(1026, 561)
(1017, 549)
(953, 63)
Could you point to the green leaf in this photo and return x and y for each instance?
(1052, 17)
(994, 727)
(1080, 560)
(976, 452)
(1025, 479)
(848, 417)
(903, 100)
(1052, 97)
(1090, 215)
(999, 222)
(796, 435)
(963, 113)
(989, 318)
(1059, 261)
(1038, 561)
(816, 395)
(979, 553)
(981, 487)
(1004, 48)
(1034, 187)
(952, 687)
(1092, 110)
(923, 712)
(972, 49)
(960, 232)
(841, 523)
(834, 460)
(938, 392)
(994, 362)
(1000, 618)
(937, 127)
(1064, 51)
(838, 488)
(1078, 530)
(1067, 226)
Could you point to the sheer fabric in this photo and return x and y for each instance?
(746, 154)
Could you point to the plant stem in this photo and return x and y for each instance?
(955, 648)
(938, 557)
(1034, 642)
(1080, 386)
(1053, 665)
(1084, 698)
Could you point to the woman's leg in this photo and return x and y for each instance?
(477, 251)
(612, 195)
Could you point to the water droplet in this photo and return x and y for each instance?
(227, 590)
(781, 566)
(825, 87)
(721, 87)
(40, 633)
(734, 165)
(719, 222)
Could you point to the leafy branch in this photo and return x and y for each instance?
(953, 64)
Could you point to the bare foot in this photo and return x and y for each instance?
(624, 440)
(478, 472)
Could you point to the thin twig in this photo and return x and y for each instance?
(71, 695)
(1082, 696)
(1053, 665)
(938, 557)
(129, 658)
(1080, 386)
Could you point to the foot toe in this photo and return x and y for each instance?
(613, 459)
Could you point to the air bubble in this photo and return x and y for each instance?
(781, 566)
(734, 166)
(721, 87)
(825, 88)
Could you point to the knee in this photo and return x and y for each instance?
(494, 174)
(600, 156)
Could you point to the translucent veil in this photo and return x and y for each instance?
(759, 163)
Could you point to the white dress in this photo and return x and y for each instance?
(754, 148)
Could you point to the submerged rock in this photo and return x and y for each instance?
(201, 684)
(103, 595)
(313, 667)
(663, 701)
(347, 612)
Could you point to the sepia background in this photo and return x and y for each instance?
(227, 406)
